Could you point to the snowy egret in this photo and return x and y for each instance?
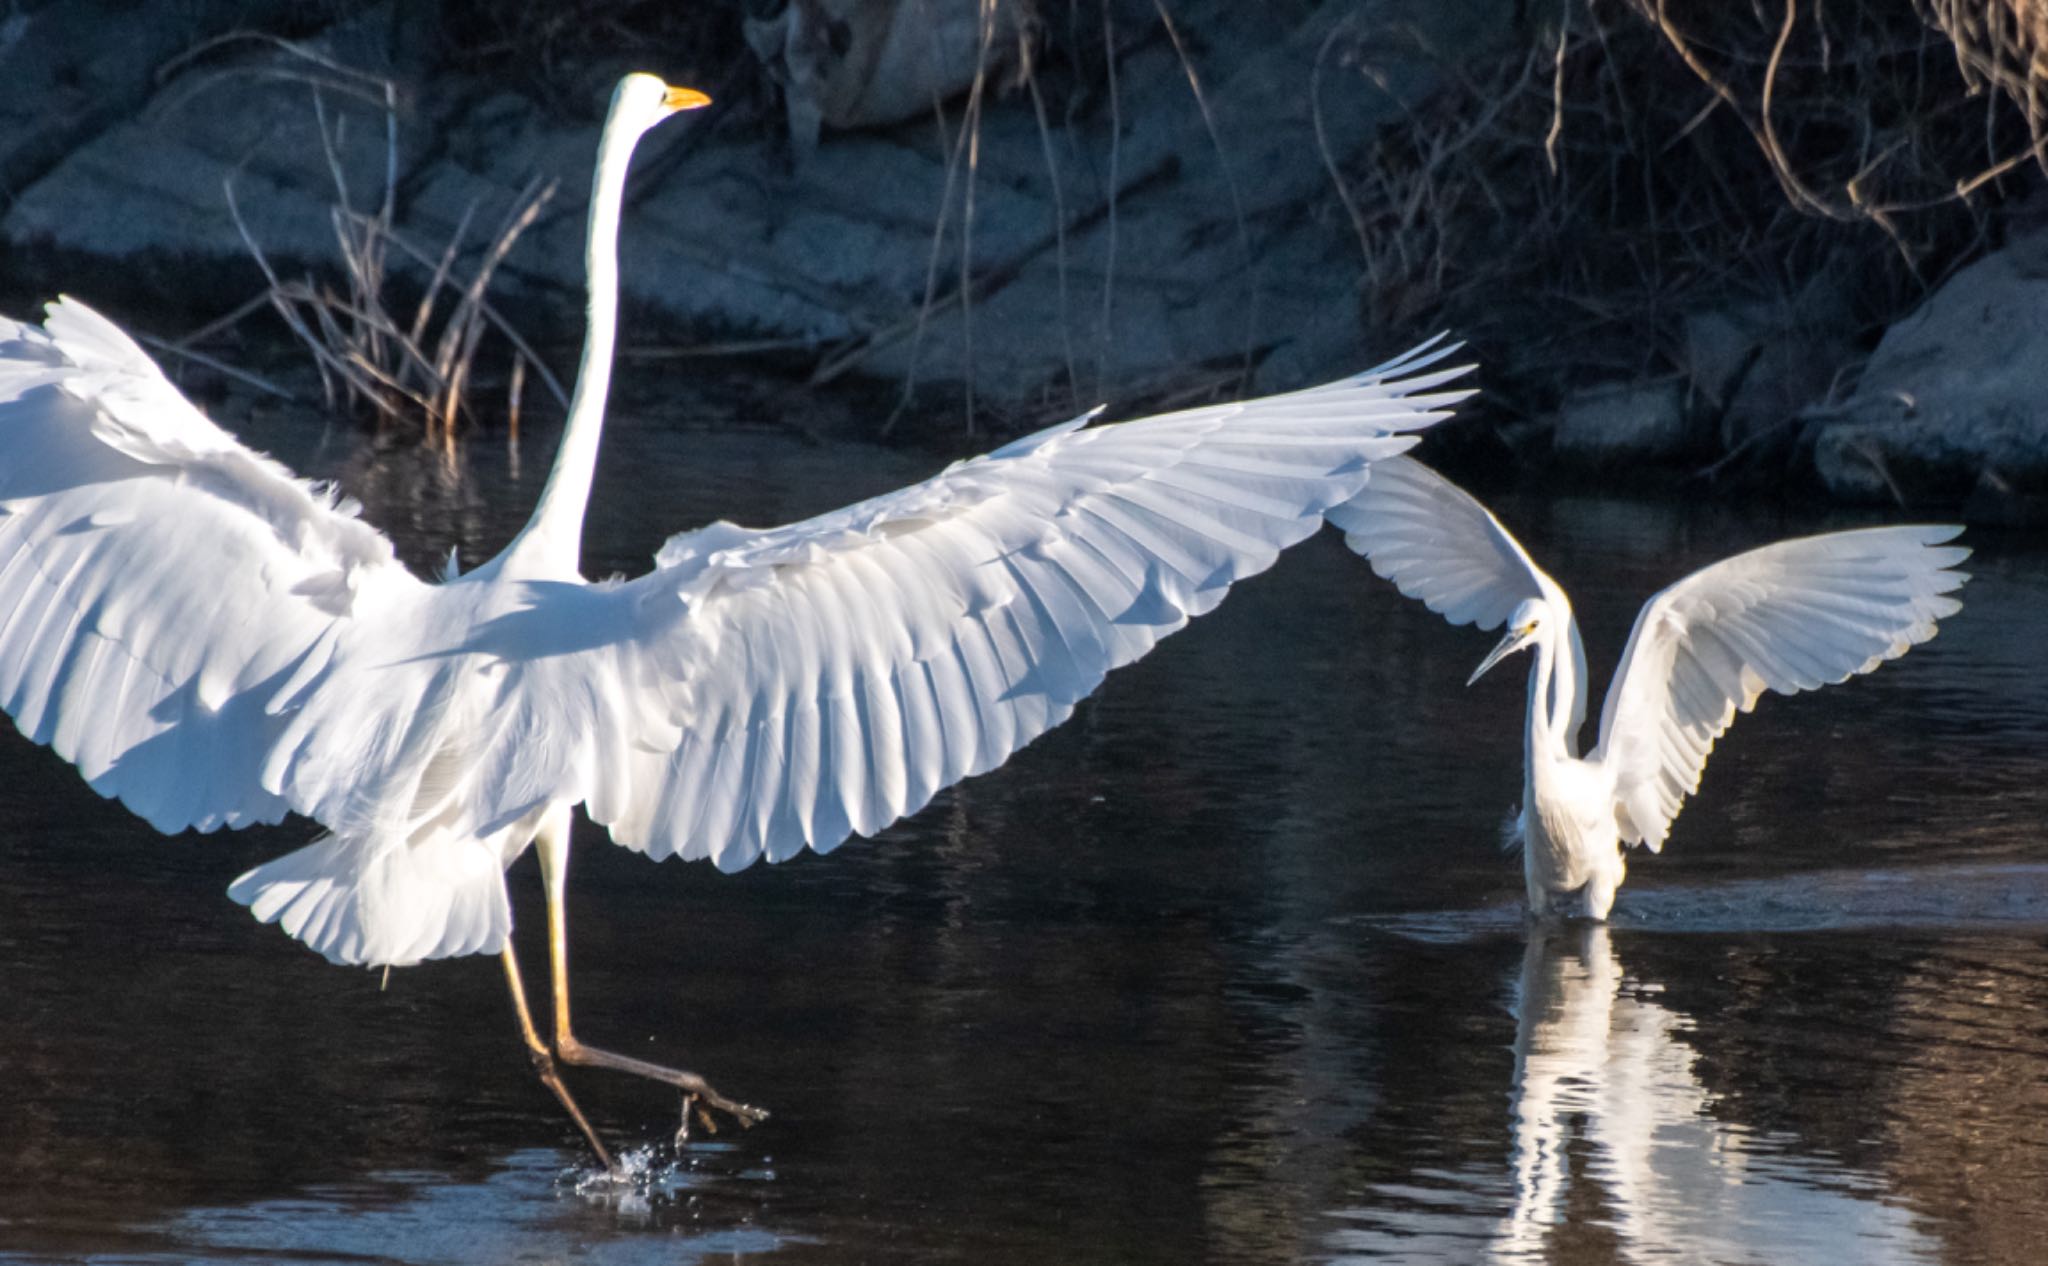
(216, 643)
(1791, 616)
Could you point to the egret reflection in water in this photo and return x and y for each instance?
(1252, 1031)
(1613, 1146)
(1613, 1126)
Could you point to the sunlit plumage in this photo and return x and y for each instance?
(1791, 616)
(216, 643)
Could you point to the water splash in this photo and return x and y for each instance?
(657, 1176)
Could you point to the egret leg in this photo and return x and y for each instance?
(552, 843)
(1600, 891)
(544, 1061)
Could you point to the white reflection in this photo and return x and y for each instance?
(1613, 1133)
(1617, 1151)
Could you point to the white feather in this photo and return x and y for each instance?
(1787, 617)
(1792, 616)
(217, 643)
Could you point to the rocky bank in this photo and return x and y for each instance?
(1152, 217)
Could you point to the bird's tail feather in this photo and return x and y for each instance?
(372, 903)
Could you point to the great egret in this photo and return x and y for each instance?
(1787, 617)
(216, 643)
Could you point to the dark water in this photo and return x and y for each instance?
(1230, 968)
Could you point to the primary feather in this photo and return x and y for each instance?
(216, 643)
(1788, 617)
(155, 575)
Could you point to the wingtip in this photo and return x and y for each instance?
(88, 337)
(1431, 351)
(65, 304)
(1934, 538)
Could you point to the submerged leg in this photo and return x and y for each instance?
(544, 1061)
(1600, 889)
(552, 843)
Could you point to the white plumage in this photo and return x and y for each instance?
(216, 643)
(1791, 616)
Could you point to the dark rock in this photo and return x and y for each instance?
(68, 81)
(1955, 390)
(870, 63)
(1225, 253)
(1623, 422)
(1757, 365)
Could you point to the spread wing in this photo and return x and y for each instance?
(214, 642)
(158, 581)
(831, 676)
(1788, 617)
(1442, 548)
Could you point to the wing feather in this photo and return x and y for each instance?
(216, 642)
(831, 676)
(1792, 616)
(155, 575)
(1439, 546)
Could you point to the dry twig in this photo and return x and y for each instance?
(1568, 205)
(415, 370)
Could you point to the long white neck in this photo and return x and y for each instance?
(1562, 695)
(1542, 725)
(551, 544)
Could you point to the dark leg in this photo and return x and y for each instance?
(544, 1061)
(553, 845)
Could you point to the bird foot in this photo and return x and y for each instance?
(690, 1106)
(700, 1099)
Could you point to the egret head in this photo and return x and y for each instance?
(1531, 617)
(642, 100)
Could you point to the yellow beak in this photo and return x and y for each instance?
(684, 99)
